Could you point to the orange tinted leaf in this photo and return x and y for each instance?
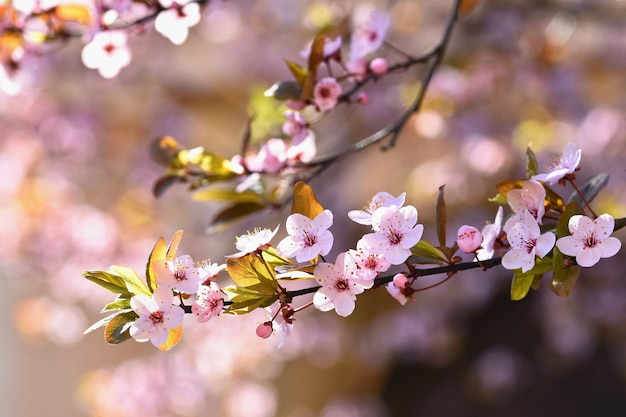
(467, 6)
(74, 12)
(299, 72)
(158, 254)
(173, 247)
(304, 201)
(173, 338)
(164, 149)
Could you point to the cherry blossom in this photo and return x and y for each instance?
(526, 242)
(295, 126)
(396, 232)
(157, 315)
(340, 283)
(491, 233)
(369, 34)
(302, 149)
(326, 93)
(381, 199)
(368, 261)
(379, 66)
(209, 302)
(565, 165)
(469, 238)
(529, 198)
(307, 238)
(590, 239)
(400, 289)
(175, 21)
(180, 274)
(280, 317)
(107, 52)
(209, 271)
(251, 242)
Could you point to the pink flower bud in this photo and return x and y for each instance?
(400, 281)
(469, 239)
(363, 98)
(264, 330)
(379, 66)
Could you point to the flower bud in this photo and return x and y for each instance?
(400, 281)
(362, 98)
(469, 238)
(379, 66)
(264, 330)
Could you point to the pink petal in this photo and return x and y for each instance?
(588, 256)
(609, 247)
(569, 245)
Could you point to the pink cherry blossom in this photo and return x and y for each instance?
(340, 283)
(357, 68)
(369, 34)
(251, 242)
(107, 52)
(209, 302)
(400, 288)
(326, 93)
(366, 260)
(527, 243)
(157, 315)
(302, 149)
(264, 330)
(396, 232)
(590, 239)
(180, 274)
(565, 165)
(282, 321)
(174, 22)
(209, 271)
(380, 199)
(469, 238)
(491, 233)
(307, 238)
(529, 198)
(296, 125)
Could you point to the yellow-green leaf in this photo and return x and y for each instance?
(251, 272)
(106, 280)
(299, 72)
(532, 167)
(117, 329)
(304, 201)
(426, 253)
(563, 281)
(133, 282)
(158, 253)
(244, 300)
(521, 285)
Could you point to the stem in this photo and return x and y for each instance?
(582, 197)
(447, 269)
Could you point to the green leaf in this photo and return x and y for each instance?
(304, 201)
(106, 280)
(120, 303)
(499, 199)
(562, 225)
(532, 168)
(232, 214)
(590, 189)
(521, 285)
(523, 281)
(441, 217)
(251, 272)
(426, 253)
(228, 195)
(563, 281)
(244, 300)
(134, 284)
(274, 259)
(117, 330)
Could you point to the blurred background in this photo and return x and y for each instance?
(75, 195)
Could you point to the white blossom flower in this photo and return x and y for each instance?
(340, 283)
(209, 302)
(381, 199)
(307, 238)
(469, 238)
(107, 52)
(590, 239)
(526, 242)
(369, 34)
(528, 198)
(395, 233)
(180, 274)
(490, 233)
(565, 165)
(174, 22)
(366, 260)
(400, 289)
(157, 315)
(259, 239)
